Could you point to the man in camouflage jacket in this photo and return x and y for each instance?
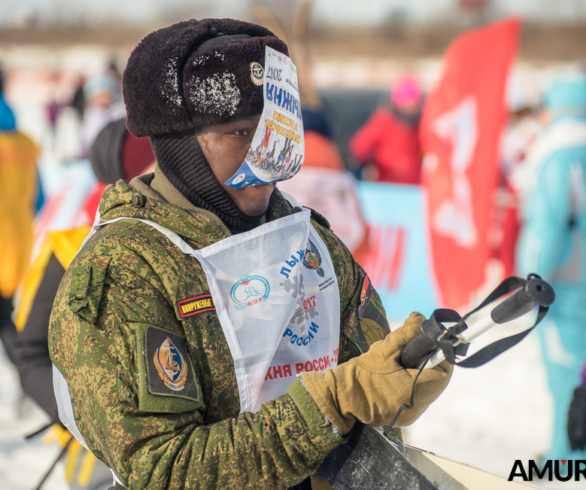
(126, 284)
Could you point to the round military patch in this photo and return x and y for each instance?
(372, 331)
(312, 258)
(169, 371)
(257, 73)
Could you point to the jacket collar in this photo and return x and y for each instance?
(200, 227)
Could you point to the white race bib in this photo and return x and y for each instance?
(276, 295)
(277, 299)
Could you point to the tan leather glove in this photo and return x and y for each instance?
(373, 386)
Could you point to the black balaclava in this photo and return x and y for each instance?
(181, 159)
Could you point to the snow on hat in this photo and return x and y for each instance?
(406, 92)
(196, 73)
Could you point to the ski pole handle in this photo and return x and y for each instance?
(416, 351)
(534, 292)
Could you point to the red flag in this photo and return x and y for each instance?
(460, 132)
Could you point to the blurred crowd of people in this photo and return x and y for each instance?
(539, 223)
(30, 273)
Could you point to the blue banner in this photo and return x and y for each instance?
(399, 260)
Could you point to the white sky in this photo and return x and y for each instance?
(363, 12)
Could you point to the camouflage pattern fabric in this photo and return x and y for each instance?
(127, 281)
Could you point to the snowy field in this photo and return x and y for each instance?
(23, 463)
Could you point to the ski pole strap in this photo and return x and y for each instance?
(449, 340)
(493, 350)
(434, 334)
(408, 406)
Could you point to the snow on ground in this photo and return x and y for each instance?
(23, 463)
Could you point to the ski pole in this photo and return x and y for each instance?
(431, 345)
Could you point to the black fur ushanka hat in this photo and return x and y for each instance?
(196, 73)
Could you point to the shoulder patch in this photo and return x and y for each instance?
(169, 368)
(365, 295)
(198, 304)
(372, 323)
(371, 331)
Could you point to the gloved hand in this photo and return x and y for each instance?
(373, 386)
(577, 420)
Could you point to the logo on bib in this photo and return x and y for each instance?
(312, 258)
(170, 365)
(257, 73)
(249, 291)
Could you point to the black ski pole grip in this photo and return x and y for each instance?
(535, 292)
(416, 351)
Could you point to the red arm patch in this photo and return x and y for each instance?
(365, 295)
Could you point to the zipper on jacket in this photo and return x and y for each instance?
(216, 219)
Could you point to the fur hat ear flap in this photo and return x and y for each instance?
(170, 86)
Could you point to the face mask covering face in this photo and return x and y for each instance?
(278, 147)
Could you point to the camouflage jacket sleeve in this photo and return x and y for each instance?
(108, 301)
